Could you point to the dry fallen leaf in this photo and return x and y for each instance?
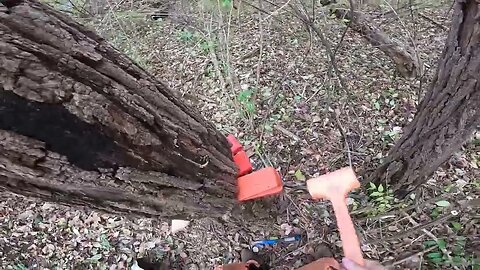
(135, 266)
(178, 225)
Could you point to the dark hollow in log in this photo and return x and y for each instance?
(80, 142)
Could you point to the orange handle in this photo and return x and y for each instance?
(348, 235)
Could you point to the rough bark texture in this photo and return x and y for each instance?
(449, 112)
(402, 55)
(81, 123)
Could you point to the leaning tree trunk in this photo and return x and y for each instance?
(81, 123)
(402, 55)
(448, 114)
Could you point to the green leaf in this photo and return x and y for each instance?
(105, 244)
(226, 3)
(20, 266)
(96, 257)
(376, 194)
(461, 238)
(434, 255)
(372, 186)
(430, 243)
(186, 35)
(441, 244)
(437, 260)
(442, 203)
(250, 107)
(475, 262)
(299, 175)
(380, 188)
(458, 250)
(245, 95)
(456, 226)
(457, 260)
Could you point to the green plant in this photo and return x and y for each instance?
(131, 17)
(215, 5)
(185, 35)
(450, 254)
(245, 98)
(299, 175)
(225, 68)
(392, 135)
(439, 207)
(104, 243)
(476, 184)
(19, 266)
(207, 45)
(387, 99)
(226, 3)
(436, 256)
(382, 197)
(210, 71)
(73, 7)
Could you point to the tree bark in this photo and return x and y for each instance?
(403, 56)
(81, 123)
(448, 114)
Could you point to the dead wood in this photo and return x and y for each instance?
(81, 123)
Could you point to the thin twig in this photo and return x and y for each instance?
(443, 27)
(417, 254)
(344, 135)
(341, 40)
(304, 18)
(352, 9)
(214, 58)
(82, 10)
(287, 132)
(259, 62)
(264, 11)
(318, 90)
(276, 12)
(414, 229)
(432, 236)
(394, 212)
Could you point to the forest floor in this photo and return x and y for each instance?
(265, 78)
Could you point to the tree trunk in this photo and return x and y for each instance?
(81, 123)
(448, 114)
(403, 56)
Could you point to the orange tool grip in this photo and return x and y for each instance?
(235, 145)
(348, 235)
(242, 161)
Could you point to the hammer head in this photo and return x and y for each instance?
(334, 184)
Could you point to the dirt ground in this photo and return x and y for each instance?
(257, 72)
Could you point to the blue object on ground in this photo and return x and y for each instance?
(273, 241)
